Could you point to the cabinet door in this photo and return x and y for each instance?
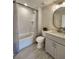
(59, 51)
(49, 46)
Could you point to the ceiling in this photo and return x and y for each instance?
(37, 3)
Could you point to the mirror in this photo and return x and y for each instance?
(59, 19)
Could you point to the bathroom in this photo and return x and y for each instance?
(39, 29)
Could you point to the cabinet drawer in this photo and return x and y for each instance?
(56, 39)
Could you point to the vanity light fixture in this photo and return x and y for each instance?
(25, 4)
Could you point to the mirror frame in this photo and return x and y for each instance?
(58, 28)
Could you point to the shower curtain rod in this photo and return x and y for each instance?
(25, 6)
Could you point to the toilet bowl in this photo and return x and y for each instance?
(40, 41)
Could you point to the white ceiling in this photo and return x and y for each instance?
(36, 3)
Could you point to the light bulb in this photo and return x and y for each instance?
(25, 4)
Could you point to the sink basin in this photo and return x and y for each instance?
(61, 30)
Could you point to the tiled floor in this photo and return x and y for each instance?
(32, 53)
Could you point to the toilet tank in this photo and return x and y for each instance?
(44, 33)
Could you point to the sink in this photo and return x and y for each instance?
(61, 30)
(56, 36)
(56, 33)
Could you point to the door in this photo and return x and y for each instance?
(50, 48)
(59, 51)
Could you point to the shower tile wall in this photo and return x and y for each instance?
(26, 20)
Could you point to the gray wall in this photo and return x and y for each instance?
(15, 46)
(47, 17)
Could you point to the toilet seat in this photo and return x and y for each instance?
(40, 39)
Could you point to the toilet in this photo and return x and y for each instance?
(40, 40)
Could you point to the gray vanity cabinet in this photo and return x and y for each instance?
(55, 49)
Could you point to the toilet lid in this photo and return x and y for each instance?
(40, 38)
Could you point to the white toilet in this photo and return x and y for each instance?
(40, 40)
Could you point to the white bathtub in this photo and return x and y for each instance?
(25, 42)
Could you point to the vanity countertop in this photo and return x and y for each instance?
(57, 34)
(58, 37)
